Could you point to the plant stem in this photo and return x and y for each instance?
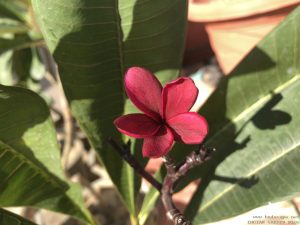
(173, 176)
(124, 152)
(134, 220)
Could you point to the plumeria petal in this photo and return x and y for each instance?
(158, 145)
(178, 97)
(137, 125)
(190, 128)
(144, 90)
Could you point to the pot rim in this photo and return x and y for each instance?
(207, 11)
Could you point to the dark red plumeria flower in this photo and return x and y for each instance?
(166, 112)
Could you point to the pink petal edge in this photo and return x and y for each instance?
(178, 97)
(189, 128)
(144, 90)
(137, 125)
(158, 145)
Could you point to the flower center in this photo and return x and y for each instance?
(163, 122)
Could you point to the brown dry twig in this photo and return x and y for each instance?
(52, 76)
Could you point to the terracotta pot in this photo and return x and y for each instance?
(197, 47)
(235, 27)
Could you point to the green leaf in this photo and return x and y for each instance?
(11, 26)
(149, 201)
(254, 125)
(13, 9)
(18, 42)
(37, 70)
(21, 65)
(9, 218)
(93, 43)
(30, 172)
(6, 77)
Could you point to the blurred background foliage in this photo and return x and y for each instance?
(23, 57)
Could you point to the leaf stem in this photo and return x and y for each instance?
(134, 220)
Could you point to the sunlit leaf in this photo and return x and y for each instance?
(30, 171)
(254, 121)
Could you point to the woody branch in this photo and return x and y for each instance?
(174, 174)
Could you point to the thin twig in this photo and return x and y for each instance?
(124, 152)
(67, 118)
(68, 126)
(53, 77)
(173, 176)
